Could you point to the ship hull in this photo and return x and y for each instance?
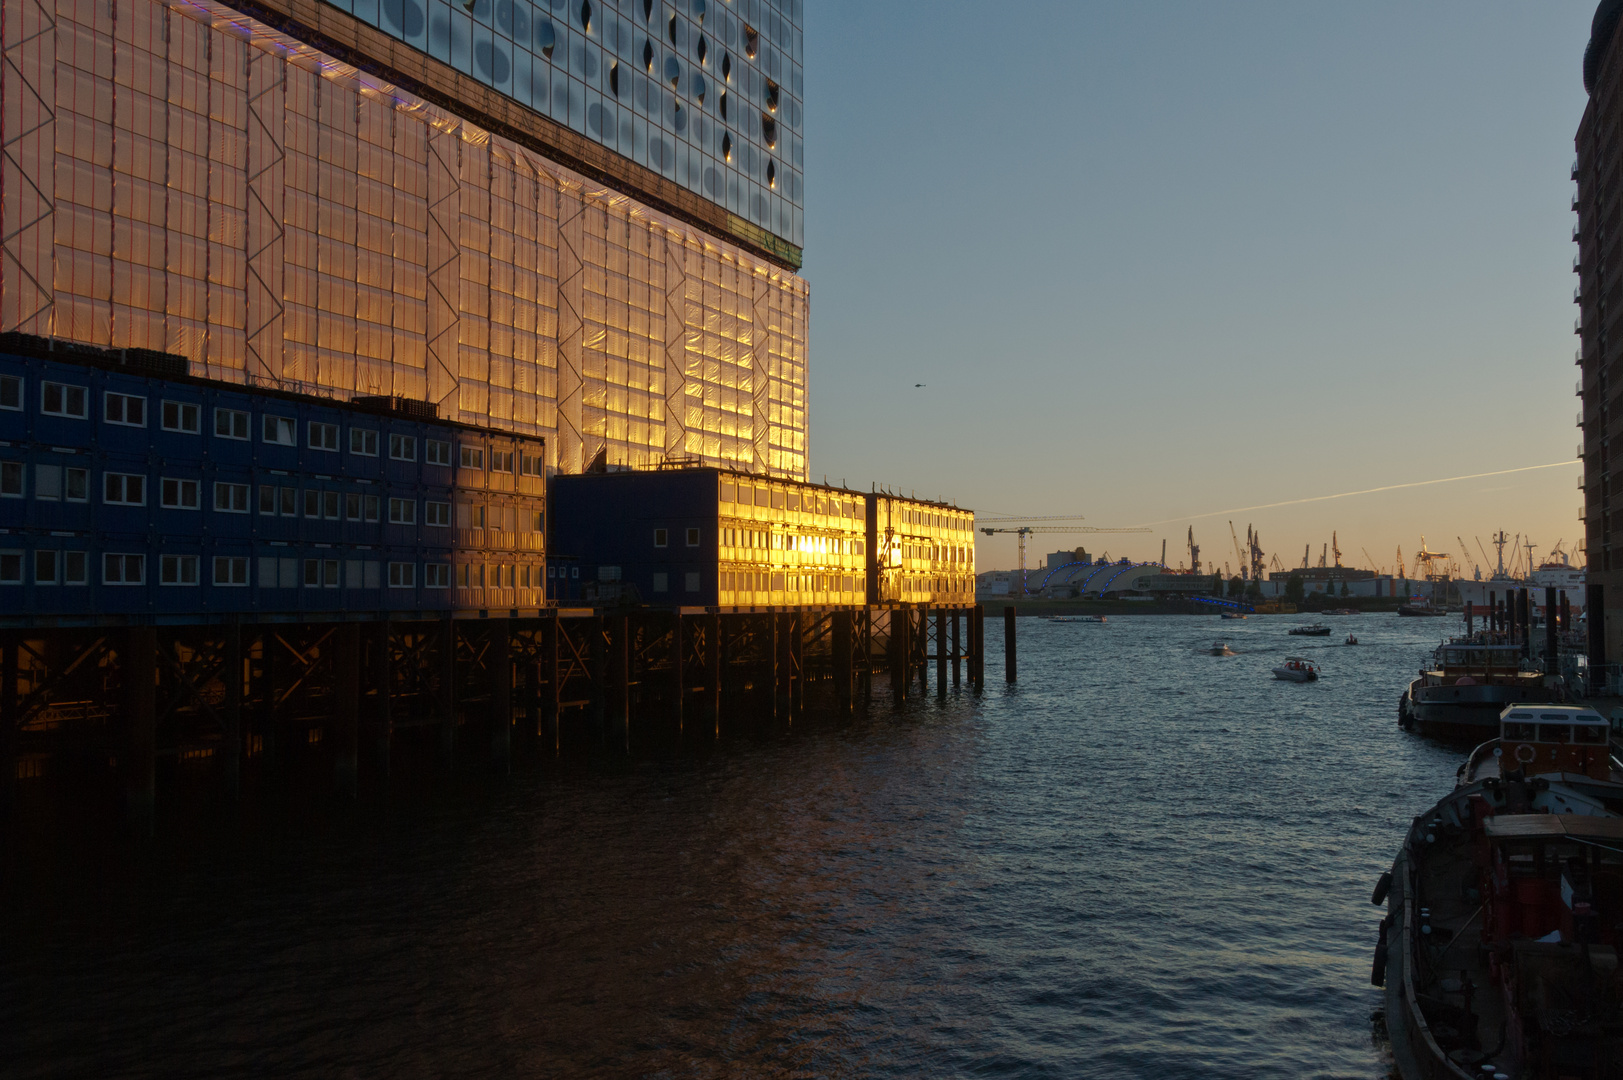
(1466, 714)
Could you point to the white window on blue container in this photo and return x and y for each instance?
(231, 571)
(373, 504)
(75, 568)
(437, 452)
(403, 447)
(402, 575)
(11, 568)
(11, 393)
(322, 436)
(691, 584)
(363, 441)
(11, 479)
(437, 575)
(182, 416)
(177, 569)
(61, 399)
(662, 538)
(473, 457)
(231, 424)
(662, 583)
(230, 498)
(437, 514)
(352, 506)
(693, 538)
(177, 494)
(330, 503)
(277, 430)
(126, 409)
(124, 489)
(118, 568)
(402, 511)
(321, 573)
(47, 566)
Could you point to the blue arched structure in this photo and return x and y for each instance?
(1123, 569)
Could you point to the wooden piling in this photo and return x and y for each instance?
(447, 659)
(1008, 644)
(797, 663)
(941, 652)
(140, 663)
(620, 650)
(1551, 648)
(713, 658)
(678, 683)
(977, 646)
(231, 757)
(500, 663)
(346, 714)
(957, 649)
(383, 674)
(10, 731)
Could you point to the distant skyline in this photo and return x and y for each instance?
(1155, 261)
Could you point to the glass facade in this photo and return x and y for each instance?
(705, 92)
(182, 178)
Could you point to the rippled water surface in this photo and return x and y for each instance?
(1140, 861)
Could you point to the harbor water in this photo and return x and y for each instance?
(1142, 860)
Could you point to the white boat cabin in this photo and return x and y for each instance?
(1464, 658)
(1555, 739)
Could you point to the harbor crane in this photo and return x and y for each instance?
(1239, 558)
(1371, 560)
(1427, 558)
(1253, 540)
(1335, 548)
(1194, 552)
(1465, 553)
(1023, 531)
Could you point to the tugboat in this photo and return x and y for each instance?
(1499, 949)
(1460, 697)
(1312, 630)
(1297, 669)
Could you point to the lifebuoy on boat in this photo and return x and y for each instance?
(1525, 754)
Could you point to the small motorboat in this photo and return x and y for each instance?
(1311, 630)
(1075, 618)
(1352, 639)
(1233, 614)
(1221, 648)
(1297, 669)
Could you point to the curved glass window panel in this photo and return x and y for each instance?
(769, 130)
(771, 173)
(586, 15)
(673, 70)
(589, 62)
(679, 121)
(647, 10)
(772, 95)
(404, 18)
(726, 146)
(699, 87)
(546, 37)
(513, 19)
(721, 104)
(648, 55)
(698, 10)
(703, 49)
(614, 80)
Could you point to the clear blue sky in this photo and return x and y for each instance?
(1160, 259)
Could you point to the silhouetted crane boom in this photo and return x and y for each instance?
(1023, 531)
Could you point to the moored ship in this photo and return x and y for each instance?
(1499, 950)
(1460, 697)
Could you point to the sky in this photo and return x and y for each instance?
(1158, 260)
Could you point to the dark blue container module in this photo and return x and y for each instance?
(130, 490)
(709, 537)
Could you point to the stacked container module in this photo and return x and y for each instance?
(131, 490)
(924, 552)
(709, 537)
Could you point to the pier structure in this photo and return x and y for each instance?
(201, 577)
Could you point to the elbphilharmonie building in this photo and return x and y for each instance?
(579, 220)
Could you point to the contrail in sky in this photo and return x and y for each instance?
(1366, 491)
